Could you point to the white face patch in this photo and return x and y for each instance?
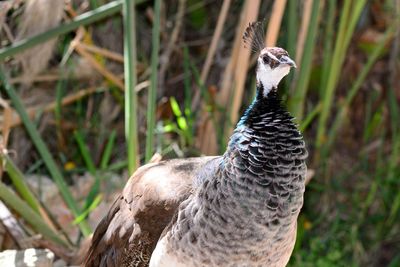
(268, 77)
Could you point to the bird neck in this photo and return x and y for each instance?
(265, 134)
(262, 107)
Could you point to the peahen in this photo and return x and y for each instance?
(238, 210)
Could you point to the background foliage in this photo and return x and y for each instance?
(70, 111)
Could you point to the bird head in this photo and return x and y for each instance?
(273, 64)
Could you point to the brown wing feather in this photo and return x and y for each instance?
(129, 233)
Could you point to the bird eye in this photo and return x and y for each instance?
(265, 59)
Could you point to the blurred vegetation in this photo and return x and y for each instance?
(69, 108)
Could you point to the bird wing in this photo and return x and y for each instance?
(129, 232)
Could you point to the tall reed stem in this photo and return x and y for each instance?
(152, 95)
(131, 132)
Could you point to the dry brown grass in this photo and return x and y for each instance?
(234, 78)
(307, 6)
(275, 23)
(240, 71)
(207, 138)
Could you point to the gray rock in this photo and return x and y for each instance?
(27, 258)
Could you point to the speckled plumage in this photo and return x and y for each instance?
(245, 213)
(236, 210)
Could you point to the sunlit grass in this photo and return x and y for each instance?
(130, 54)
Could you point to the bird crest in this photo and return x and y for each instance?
(253, 36)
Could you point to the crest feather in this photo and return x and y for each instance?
(253, 36)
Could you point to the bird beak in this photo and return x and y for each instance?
(288, 61)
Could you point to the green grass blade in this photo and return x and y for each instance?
(117, 166)
(395, 155)
(373, 57)
(131, 130)
(292, 28)
(207, 100)
(105, 159)
(152, 94)
(310, 117)
(292, 17)
(93, 204)
(347, 24)
(394, 110)
(328, 88)
(18, 181)
(395, 261)
(373, 118)
(355, 15)
(92, 170)
(395, 207)
(44, 152)
(297, 101)
(16, 203)
(84, 152)
(94, 4)
(203, 89)
(175, 107)
(378, 173)
(58, 109)
(327, 55)
(189, 114)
